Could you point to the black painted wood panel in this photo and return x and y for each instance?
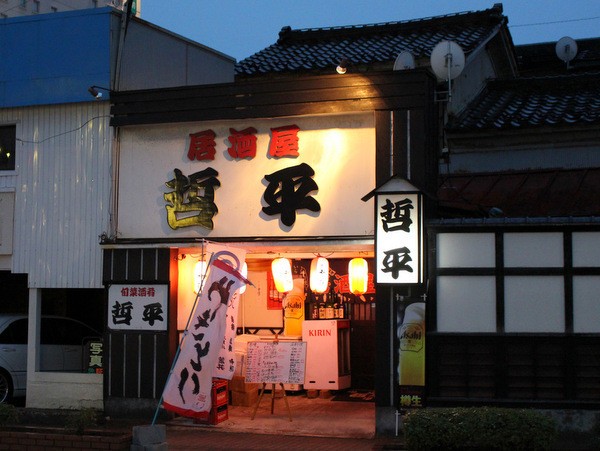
(137, 363)
(114, 350)
(134, 265)
(275, 98)
(513, 369)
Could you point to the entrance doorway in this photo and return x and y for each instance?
(322, 410)
(261, 311)
(362, 345)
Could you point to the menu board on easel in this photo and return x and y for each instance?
(276, 362)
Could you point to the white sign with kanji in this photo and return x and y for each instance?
(138, 307)
(399, 239)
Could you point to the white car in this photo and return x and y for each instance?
(63, 342)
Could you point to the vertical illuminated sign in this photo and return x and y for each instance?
(399, 237)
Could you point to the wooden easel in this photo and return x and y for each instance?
(262, 392)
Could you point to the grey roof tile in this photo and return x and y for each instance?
(533, 102)
(317, 49)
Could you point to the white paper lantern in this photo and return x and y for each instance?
(282, 274)
(319, 274)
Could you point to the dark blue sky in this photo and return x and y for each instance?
(240, 28)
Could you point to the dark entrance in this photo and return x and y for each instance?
(362, 345)
(15, 295)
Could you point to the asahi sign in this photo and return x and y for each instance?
(399, 236)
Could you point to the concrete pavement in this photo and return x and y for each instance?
(182, 438)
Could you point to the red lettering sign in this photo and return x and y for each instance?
(243, 143)
(284, 141)
(202, 146)
(319, 333)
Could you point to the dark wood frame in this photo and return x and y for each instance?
(541, 369)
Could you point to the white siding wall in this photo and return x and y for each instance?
(62, 189)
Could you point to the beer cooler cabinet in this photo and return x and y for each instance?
(327, 354)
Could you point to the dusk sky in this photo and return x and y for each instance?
(240, 28)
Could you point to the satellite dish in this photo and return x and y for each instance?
(404, 61)
(447, 60)
(566, 49)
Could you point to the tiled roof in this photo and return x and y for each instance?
(544, 193)
(321, 49)
(533, 102)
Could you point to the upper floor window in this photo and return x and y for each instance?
(8, 137)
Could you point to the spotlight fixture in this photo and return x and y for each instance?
(342, 66)
(93, 90)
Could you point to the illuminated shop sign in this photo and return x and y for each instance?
(260, 177)
(399, 237)
(192, 201)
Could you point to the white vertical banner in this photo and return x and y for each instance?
(225, 365)
(188, 390)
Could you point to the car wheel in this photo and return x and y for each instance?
(6, 387)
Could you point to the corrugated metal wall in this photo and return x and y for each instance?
(62, 192)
